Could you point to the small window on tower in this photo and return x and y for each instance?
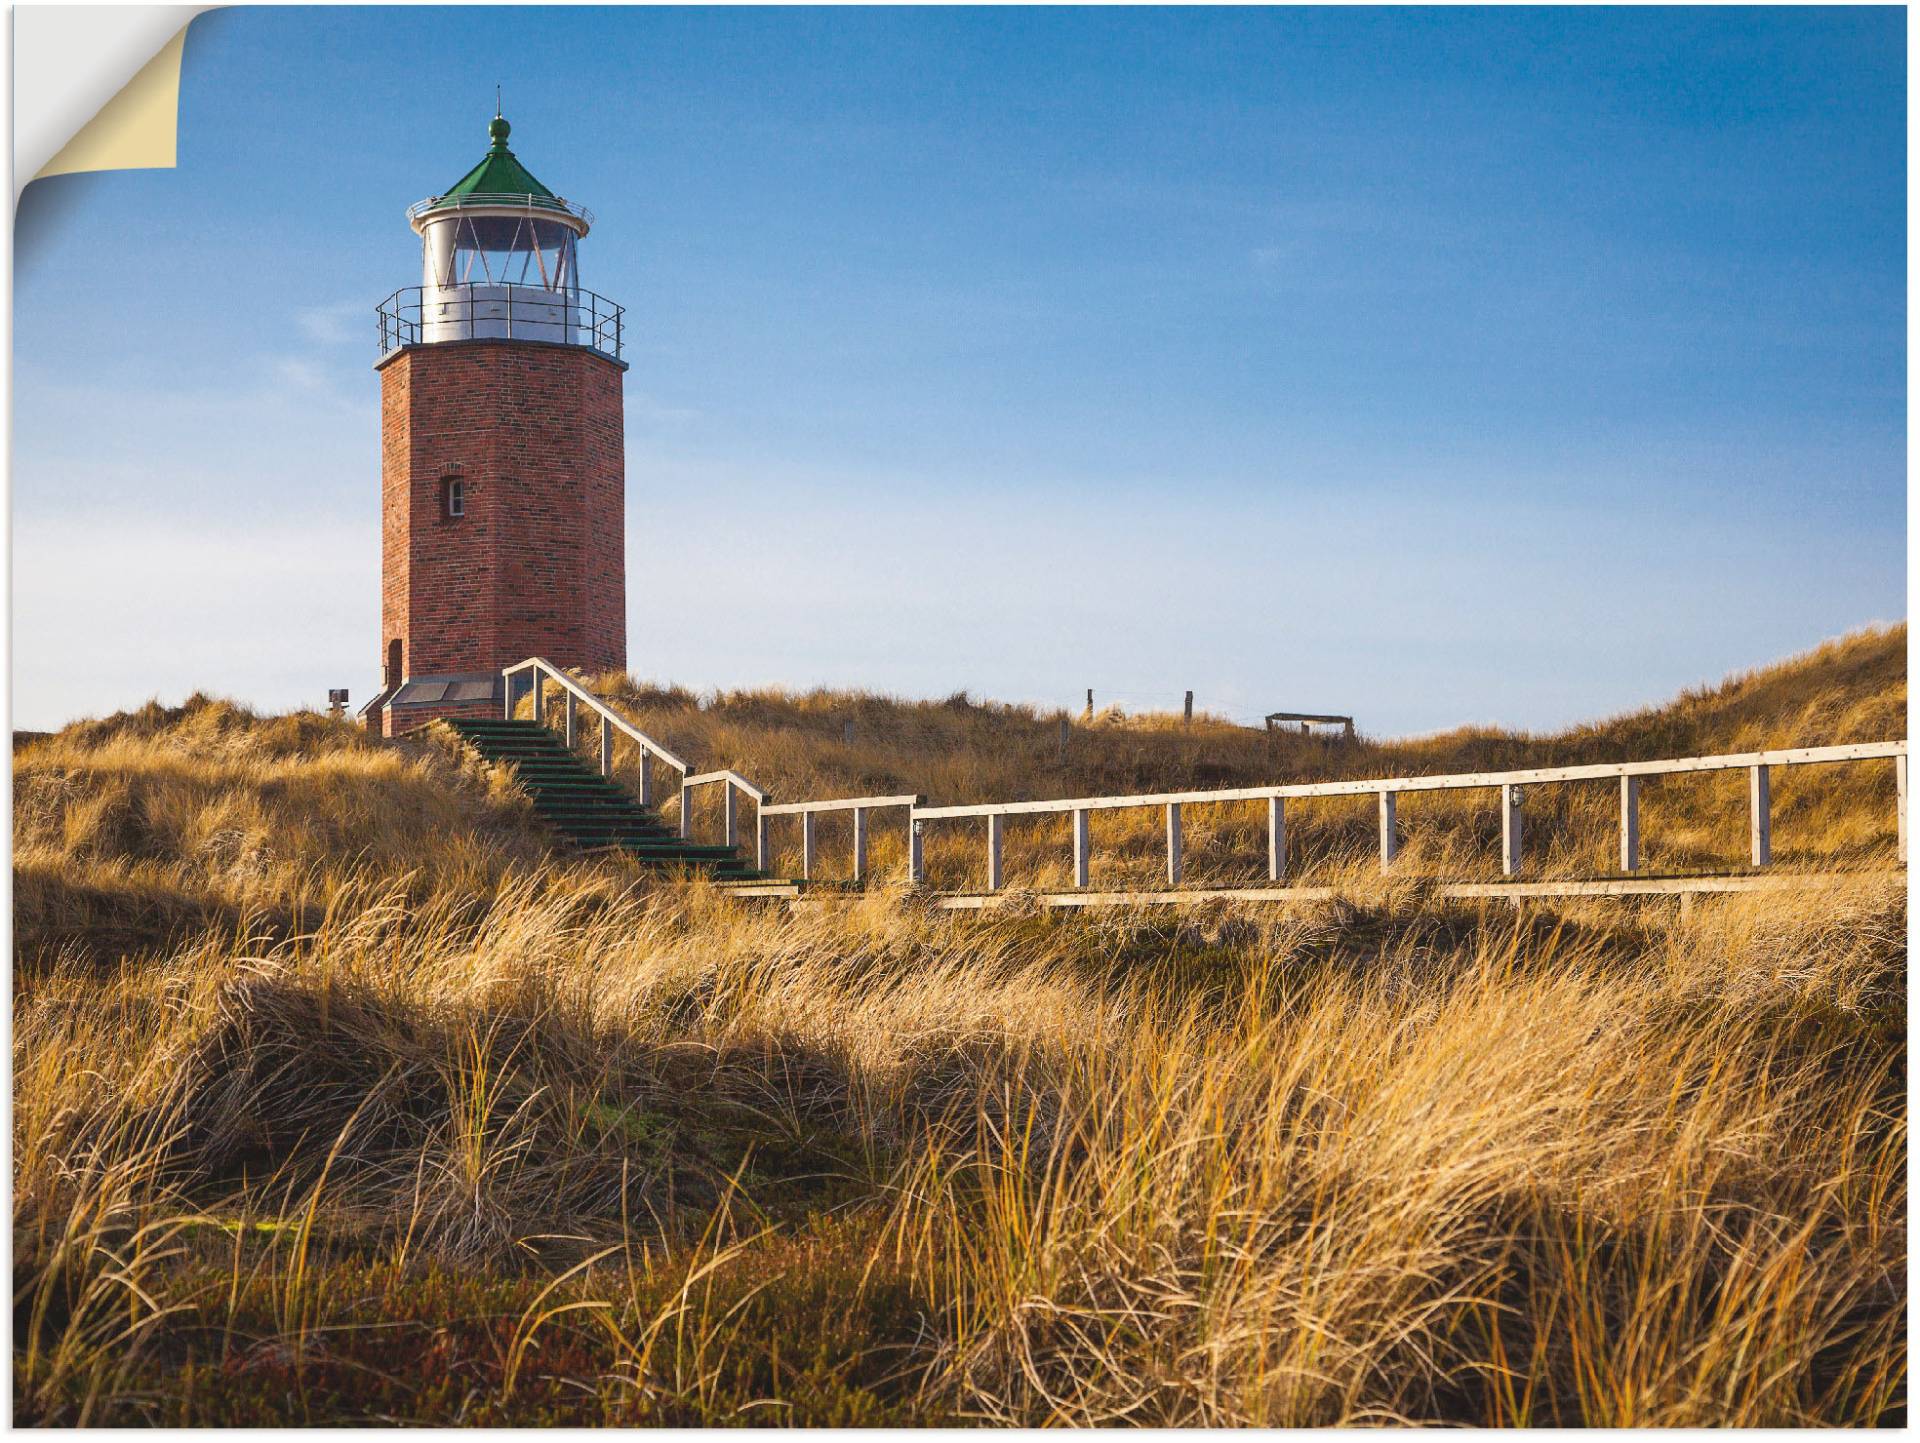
(456, 497)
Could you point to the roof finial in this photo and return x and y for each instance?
(497, 128)
(496, 102)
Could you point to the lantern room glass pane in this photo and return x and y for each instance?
(515, 250)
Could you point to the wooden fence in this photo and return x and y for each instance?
(1510, 786)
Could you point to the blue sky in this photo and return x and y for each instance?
(1437, 366)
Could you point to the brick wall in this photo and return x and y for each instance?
(396, 721)
(537, 566)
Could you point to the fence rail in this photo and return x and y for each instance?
(1684, 889)
(860, 807)
(1386, 789)
(573, 695)
(733, 787)
(1510, 785)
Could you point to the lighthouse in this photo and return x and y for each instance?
(502, 461)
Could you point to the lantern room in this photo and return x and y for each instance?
(500, 260)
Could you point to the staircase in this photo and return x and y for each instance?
(591, 812)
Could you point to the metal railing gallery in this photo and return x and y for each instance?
(536, 206)
(477, 310)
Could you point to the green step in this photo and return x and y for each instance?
(572, 806)
(638, 825)
(562, 806)
(552, 798)
(692, 852)
(592, 812)
(626, 839)
(613, 825)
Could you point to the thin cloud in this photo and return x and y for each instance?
(339, 324)
(651, 410)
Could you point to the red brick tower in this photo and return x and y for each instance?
(502, 464)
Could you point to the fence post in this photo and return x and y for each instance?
(1389, 830)
(1760, 815)
(686, 811)
(916, 851)
(1276, 838)
(1175, 863)
(859, 844)
(1510, 830)
(1082, 845)
(539, 698)
(730, 801)
(606, 745)
(762, 841)
(1186, 717)
(508, 678)
(1900, 787)
(809, 834)
(1629, 824)
(646, 778)
(996, 837)
(571, 721)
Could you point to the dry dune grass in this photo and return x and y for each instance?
(151, 826)
(394, 1119)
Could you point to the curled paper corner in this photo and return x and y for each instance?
(138, 129)
(97, 88)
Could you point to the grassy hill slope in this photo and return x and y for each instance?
(961, 750)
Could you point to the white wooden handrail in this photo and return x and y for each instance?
(842, 804)
(859, 806)
(735, 786)
(1861, 751)
(706, 778)
(1509, 784)
(540, 665)
(610, 722)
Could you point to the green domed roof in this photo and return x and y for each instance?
(499, 173)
